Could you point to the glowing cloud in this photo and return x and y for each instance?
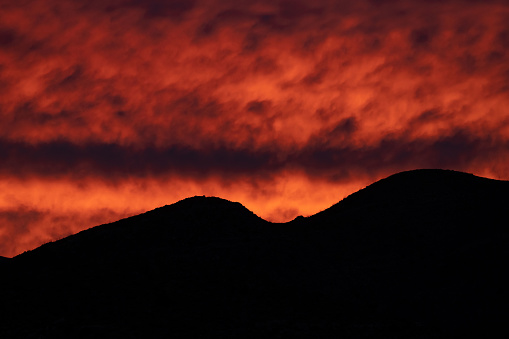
(112, 107)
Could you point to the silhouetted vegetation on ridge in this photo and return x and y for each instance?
(418, 254)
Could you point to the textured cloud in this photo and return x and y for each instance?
(285, 106)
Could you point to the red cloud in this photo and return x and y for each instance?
(296, 96)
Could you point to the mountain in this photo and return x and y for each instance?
(418, 254)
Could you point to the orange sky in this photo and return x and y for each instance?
(110, 108)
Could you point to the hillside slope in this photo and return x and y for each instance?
(418, 254)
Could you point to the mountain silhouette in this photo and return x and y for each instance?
(418, 254)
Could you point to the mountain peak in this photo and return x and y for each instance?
(425, 183)
(208, 203)
(193, 220)
(206, 209)
(421, 186)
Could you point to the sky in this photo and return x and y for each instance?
(109, 108)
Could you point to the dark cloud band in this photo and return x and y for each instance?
(459, 150)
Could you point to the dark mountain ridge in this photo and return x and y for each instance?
(196, 220)
(418, 254)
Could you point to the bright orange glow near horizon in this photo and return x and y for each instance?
(110, 108)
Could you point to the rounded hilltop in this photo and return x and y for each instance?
(206, 206)
(422, 185)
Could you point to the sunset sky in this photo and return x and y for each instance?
(109, 108)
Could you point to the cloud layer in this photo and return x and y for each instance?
(111, 107)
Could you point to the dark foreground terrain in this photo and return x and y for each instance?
(420, 254)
